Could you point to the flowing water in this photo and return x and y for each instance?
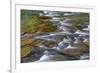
(68, 33)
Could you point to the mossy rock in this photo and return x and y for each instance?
(50, 44)
(41, 17)
(73, 52)
(45, 28)
(26, 41)
(25, 51)
(81, 48)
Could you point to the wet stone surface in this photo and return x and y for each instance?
(54, 36)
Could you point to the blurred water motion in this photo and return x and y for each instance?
(54, 36)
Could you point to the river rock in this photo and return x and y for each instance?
(25, 51)
(81, 48)
(33, 55)
(26, 41)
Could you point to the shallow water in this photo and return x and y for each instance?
(65, 30)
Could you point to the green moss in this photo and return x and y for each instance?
(28, 24)
(79, 18)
